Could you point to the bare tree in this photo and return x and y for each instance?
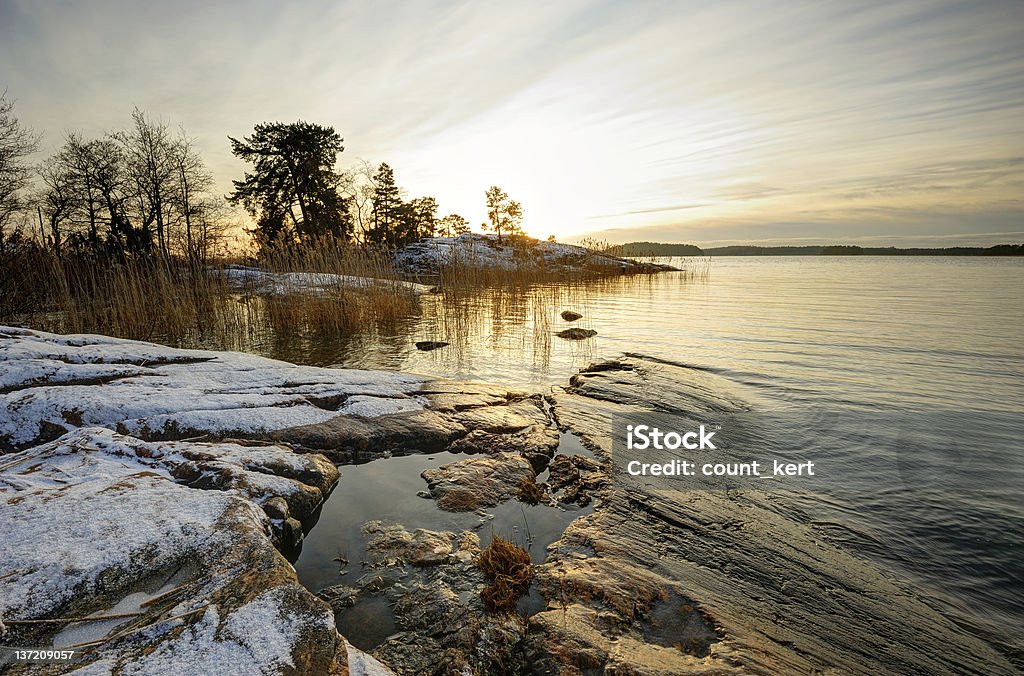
(152, 165)
(56, 200)
(17, 142)
(358, 184)
(197, 210)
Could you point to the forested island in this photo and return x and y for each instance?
(671, 249)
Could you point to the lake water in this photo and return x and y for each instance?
(854, 335)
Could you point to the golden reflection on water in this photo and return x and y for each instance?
(876, 331)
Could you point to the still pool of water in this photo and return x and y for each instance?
(847, 334)
(390, 489)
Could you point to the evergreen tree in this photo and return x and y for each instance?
(293, 169)
(387, 208)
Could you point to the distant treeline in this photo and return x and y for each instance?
(661, 249)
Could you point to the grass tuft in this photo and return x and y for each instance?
(509, 570)
(529, 492)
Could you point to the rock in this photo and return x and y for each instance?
(47, 387)
(441, 625)
(576, 478)
(570, 316)
(576, 333)
(427, 345)
(430, 255)
(673, 581)
(535, 443)
(391, 543)
(276, 508)
(516, 417)
(339, 596)
(476, 482)
(123, 527)
(348, 439)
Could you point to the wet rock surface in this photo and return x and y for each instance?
(429, 582)
(675, 581)
(570, 316)
(576, 333)
(652, 581)
(470, 484)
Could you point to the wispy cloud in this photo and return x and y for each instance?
(649, 118)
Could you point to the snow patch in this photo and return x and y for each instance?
(158, 388)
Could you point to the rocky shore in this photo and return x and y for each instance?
(162, 487)
(430, 254)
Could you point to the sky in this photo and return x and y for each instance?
(880, 123)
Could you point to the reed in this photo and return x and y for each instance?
(178, 303)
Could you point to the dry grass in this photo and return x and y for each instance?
(179, 304)
(529, 492)
(510, 572)
(459, 501)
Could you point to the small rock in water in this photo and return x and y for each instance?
(427, 345)
(570, 316)
(577, 333)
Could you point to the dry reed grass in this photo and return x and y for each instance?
(173, 302)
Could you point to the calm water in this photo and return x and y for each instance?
(868, 335)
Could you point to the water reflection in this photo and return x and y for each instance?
(804, 334)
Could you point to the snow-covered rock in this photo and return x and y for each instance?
(48, 385)
(512, 253)
(97, 524)
(160, 484)
(279, 283)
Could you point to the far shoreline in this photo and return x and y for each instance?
(641, 249)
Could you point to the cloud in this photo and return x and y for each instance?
(659, 116)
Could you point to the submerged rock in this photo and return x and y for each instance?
(427, 345)
(390, 542)
(469, 484)
(570, 316)
(439, 621)
(576, 478)
(576, 333)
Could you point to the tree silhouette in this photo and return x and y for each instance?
(387, 203)
(293, 167)
(16, 143)
(452, 225)
(504, 214)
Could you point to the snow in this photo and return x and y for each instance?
(487, 251)
(372, 407)
(66, 506)
(159, 389)
(97, 514)
(280, 283)
(255, 639)
(362, 664)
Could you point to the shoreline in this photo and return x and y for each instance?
(651, 582)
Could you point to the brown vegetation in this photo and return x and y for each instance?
(509, 570)
(530, 493)
(173, 301)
